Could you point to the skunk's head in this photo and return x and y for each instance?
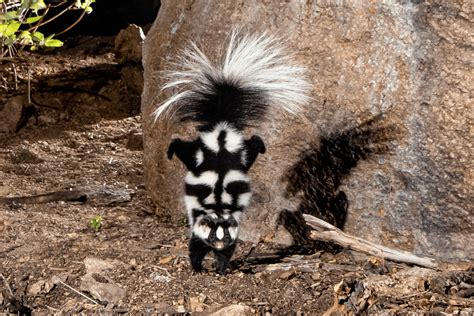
(219, 232)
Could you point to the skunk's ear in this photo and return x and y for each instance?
(253, 147)
(185, 151)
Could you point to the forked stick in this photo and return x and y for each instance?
(327, 232)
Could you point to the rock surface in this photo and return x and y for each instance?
(98, 284)
(11, 114)
(410, 60)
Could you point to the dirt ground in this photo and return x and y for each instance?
(83, 131)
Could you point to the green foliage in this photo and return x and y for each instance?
(96, 223)
(20, 20)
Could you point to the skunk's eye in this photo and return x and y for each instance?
(205, 222)
(237, 187)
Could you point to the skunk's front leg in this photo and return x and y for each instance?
(197, 251)
(223, 258)
(185, 151)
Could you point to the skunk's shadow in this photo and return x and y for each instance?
(317, 175)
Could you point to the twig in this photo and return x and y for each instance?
(163, 269)
(7, 285)
(29, 86)
(73, 24)
(78, 292)
(412, 295)
(327, 232)
(52, 308)
(34, 28)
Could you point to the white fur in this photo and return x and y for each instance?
(244, 199)
(252, 61)
(208, 178)
(210, 140)
(234, 232)
(191, 203)
(199, 157)
(233, 140)
(220, 233)
(234, 175)
(211, 199)
(226, 198)
(201, 231)
(237, 216)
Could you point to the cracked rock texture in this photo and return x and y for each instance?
(409, 59)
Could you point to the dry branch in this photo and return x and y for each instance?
(327, 232)
(99, 195)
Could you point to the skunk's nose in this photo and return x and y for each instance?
(219, 245)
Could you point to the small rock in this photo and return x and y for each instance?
(285, 275)
(316, 276)
(40, 287)
(11, 115)
(133, 262)
(1, 299)
(24, 155)
(55, 279)
(196, 303)
(102, 288)
(180, 309)
(128, 44)
(163, 308)
(135, 141)
(95, 265)
(233, 310)
(44, 120)
(166, 259)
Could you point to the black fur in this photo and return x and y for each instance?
(226, 102)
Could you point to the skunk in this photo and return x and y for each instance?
(224, 98)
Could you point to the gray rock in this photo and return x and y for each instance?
(411, 60)
(233, 310)
(11, 114)
(102, 288)
(95, 265)
(128, 44)
(135, 140)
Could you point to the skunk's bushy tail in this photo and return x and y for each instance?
(255, 73)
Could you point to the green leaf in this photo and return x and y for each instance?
(25, 4)
(3, 28)
(25, 34)
(37, 36)
(38, 5)
(33, 19)
(25, 38)
(10, 15)
(53, 43)
(10, 40)
(96, 223)
(11, 29)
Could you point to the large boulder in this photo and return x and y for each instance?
(409, 59)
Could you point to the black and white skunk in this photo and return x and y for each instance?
(255, 75)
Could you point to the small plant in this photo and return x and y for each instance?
(20, 20)
(96, 223)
